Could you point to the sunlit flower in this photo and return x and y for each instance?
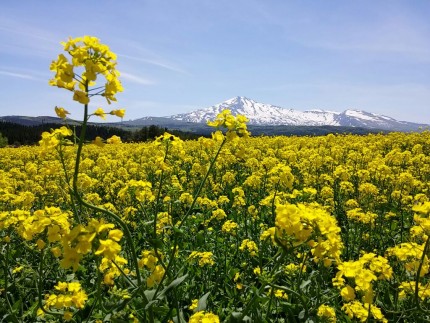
(61, 112)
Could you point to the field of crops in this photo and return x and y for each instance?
(230, 228)
(282, 228)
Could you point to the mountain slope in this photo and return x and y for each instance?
(266, 114)
(259, 115)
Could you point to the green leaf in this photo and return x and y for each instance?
(32, 310)
(202, 303)
(304, 284)
(236, 315)
(70, 277)
(156, 243)
(17, 305)
(302, 315)
(179, 318)
(150, 303)
(179, 232)
(149, 293)
(173, 284)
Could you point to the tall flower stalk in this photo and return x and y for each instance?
(93, 60)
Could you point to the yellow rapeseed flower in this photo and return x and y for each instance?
(61, 112)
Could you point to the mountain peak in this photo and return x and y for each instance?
(238, 103)
(267, 114)
(239, 99)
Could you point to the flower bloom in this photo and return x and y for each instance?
(114, 140)
(325, 311)
(95, 58)
(61, 112)
(119, 113)
(250, 246)
(100, 113)
(194, 304)
(204, 258)
(204, 317)
(71, 295)
(109, 248)
(236, 126)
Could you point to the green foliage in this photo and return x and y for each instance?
(19, 134)
(3, 141)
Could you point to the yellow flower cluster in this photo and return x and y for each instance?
(278, 293)
(111, 268)
(149, 260)
(81, 240)
(359, 277)
(422, 220)
(50, 224)
(203, 258)
(68, 296)
(137, 189)
(410, 254)
(95, 58)
(413, 255)
(229, 226)
(360, 311)
(311, 225)
(164, 222)
(204, 317)
(327, 312)
(320, 199)
(50, 140)
(358, 215)
(249, 246)
(236, 126)
(409, 288)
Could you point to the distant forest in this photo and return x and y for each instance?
(18, 135)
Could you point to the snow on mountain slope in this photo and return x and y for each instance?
(260, 114)
(267, 114)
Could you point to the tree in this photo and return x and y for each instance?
(3, 141)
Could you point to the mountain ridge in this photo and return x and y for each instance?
(266, 114)
(259, 115)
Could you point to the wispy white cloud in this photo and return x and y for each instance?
(19, 75)
(136, 79)
(389, 37)
(380, 31)
(155, 62)
(27, 31)
(25, 38)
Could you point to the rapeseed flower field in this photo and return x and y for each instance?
(231, 228)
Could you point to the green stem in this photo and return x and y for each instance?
(197, 193)
(274, 269)
(272, 292)
(123, 225)
(79, 151)
(426, 247)
(127, 235)
(157, 205)
(66, 175)
(40, 286)
(125, 276)
(98, 295)
(6, 283)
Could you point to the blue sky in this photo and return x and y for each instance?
(178, 56)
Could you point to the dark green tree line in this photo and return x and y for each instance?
(16, 134)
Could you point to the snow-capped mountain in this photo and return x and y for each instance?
(266, 114)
